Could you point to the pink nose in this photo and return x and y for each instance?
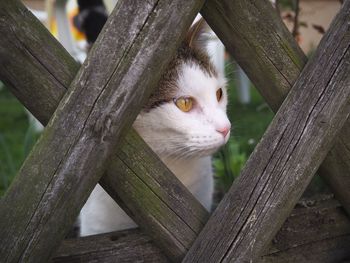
(224, 131)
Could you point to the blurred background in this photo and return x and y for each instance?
(250, 115)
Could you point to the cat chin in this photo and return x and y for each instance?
(208, 152)
(192, 153)
(197, 155)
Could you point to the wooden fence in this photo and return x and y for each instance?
(92, 109)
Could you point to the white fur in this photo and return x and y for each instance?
(183, 140)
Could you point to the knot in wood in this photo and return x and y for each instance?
(102, 127)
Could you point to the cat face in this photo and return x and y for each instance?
(200, 131)
(186, 115)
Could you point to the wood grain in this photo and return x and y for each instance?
(258, 39)
(124, 246)
(313, 220)
(102, 102)
(286, 158)
(331, 250)
(316, 231)
(155, 199)
(44, 75)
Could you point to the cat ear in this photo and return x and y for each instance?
(198, 35)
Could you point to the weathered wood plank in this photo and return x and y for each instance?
(313, 220)
(72, 153)
(178, 215)
(24, 57)
(331, 250)
(259, 41)
(319, 232)
(124, 246)
(56, 64)
(286, 158)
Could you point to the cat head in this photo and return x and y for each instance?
(186, 115)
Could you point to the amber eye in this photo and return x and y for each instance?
(219, 94)
(184, 103)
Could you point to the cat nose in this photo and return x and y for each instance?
(224, 131)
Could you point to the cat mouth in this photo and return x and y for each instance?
(209, 146)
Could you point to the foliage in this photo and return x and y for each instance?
(286, 3)
(16, 137)
(249, 123)
(228, 163)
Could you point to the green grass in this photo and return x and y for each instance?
(16, 137)
(249, 123)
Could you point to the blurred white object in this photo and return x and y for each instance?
(64, 33)
(58, 23)
(41, 15)
(243, 86)
(110, 4)
(33, 122)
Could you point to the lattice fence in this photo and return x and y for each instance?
(88, 140)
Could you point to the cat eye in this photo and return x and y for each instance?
(184, 103)
(219, 94)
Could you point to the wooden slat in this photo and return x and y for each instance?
(259, 41)
(124, 246)
(331, 250)
(313, 220)
(38, 85)
(179, 216)
(103, 100)
(317, 231)
(286, 158)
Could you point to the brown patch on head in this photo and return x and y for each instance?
(192, 52)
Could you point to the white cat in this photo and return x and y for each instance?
(184, 122)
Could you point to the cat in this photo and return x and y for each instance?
(184, 122)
